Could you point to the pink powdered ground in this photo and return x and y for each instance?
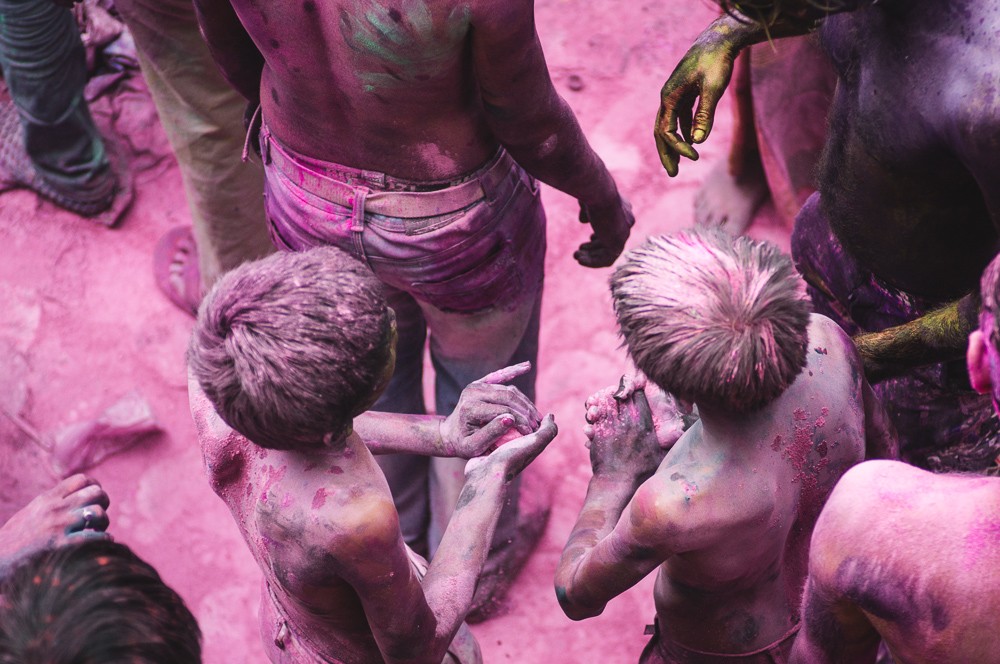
(82, 324)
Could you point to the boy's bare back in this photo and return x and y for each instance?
(293, 511)
(735, 501)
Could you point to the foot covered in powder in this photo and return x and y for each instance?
(105, 198)
(670, 417)
(175, 268)
(730, 202)
(73, 510)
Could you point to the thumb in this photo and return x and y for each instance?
(486, 438)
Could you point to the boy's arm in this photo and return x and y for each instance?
(488, 413)
(452, 577)
(237, 57)
(617, 540)
(538, 128)
(415, 621)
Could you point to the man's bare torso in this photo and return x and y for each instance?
(902, 180)
(385, 85)
(918, 553)
(751, 494)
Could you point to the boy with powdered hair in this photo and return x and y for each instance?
(726, 514)
(289, 352)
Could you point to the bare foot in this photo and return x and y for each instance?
(730, 203)
(71, 511)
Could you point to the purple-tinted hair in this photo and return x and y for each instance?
(713, 319)
(290, 348)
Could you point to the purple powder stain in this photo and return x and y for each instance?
(310, 466)
(820, 350)
(820, 422)
(824, 411)
(776, 443)
(800, 415)
(335, 470)
(821, 448)
(286, 501)
(319, 498)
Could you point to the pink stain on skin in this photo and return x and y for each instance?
(273, 475)
(335, 470)
(319, 498)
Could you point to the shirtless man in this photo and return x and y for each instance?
(410, 133)
(288, 351)
(909, 203)
(931, 595)
(725, 517)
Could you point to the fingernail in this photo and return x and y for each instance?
(508, 421)
(698, 135)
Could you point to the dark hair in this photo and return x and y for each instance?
(768, 12)
(713, 319)
(291, 347)
(93, 603)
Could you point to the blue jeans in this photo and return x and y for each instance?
(45, 70)
(462, 259)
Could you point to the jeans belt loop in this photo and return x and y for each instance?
(358, 221)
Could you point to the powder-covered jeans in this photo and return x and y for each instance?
(464, 260)
(203, 119)
(943, 424)
(45, 70)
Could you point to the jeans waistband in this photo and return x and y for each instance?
(480, 184)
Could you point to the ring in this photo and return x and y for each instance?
(88, 516)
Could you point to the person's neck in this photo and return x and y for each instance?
(724, 427)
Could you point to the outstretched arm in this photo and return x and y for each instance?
(538, 128)
(935, 337)
(237, 57)
(703, 74)
(616, 539)
(488, 414)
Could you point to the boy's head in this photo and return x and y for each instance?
(712, 319)
(983, 356)
(93, 603)
(290, 348)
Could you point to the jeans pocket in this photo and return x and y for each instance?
(490, 282)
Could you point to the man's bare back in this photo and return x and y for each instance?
(932, 595)
(384, 86)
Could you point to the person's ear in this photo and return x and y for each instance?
(977, 359)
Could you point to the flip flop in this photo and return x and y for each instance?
(106, 207)
(175, 268)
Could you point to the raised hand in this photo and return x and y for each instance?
(513, 457)
(612, 225)
(489, 413)
(621, 435)
(703, 75)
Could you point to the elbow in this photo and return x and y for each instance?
(575, 610)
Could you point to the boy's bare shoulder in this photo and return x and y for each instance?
(688, 507)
